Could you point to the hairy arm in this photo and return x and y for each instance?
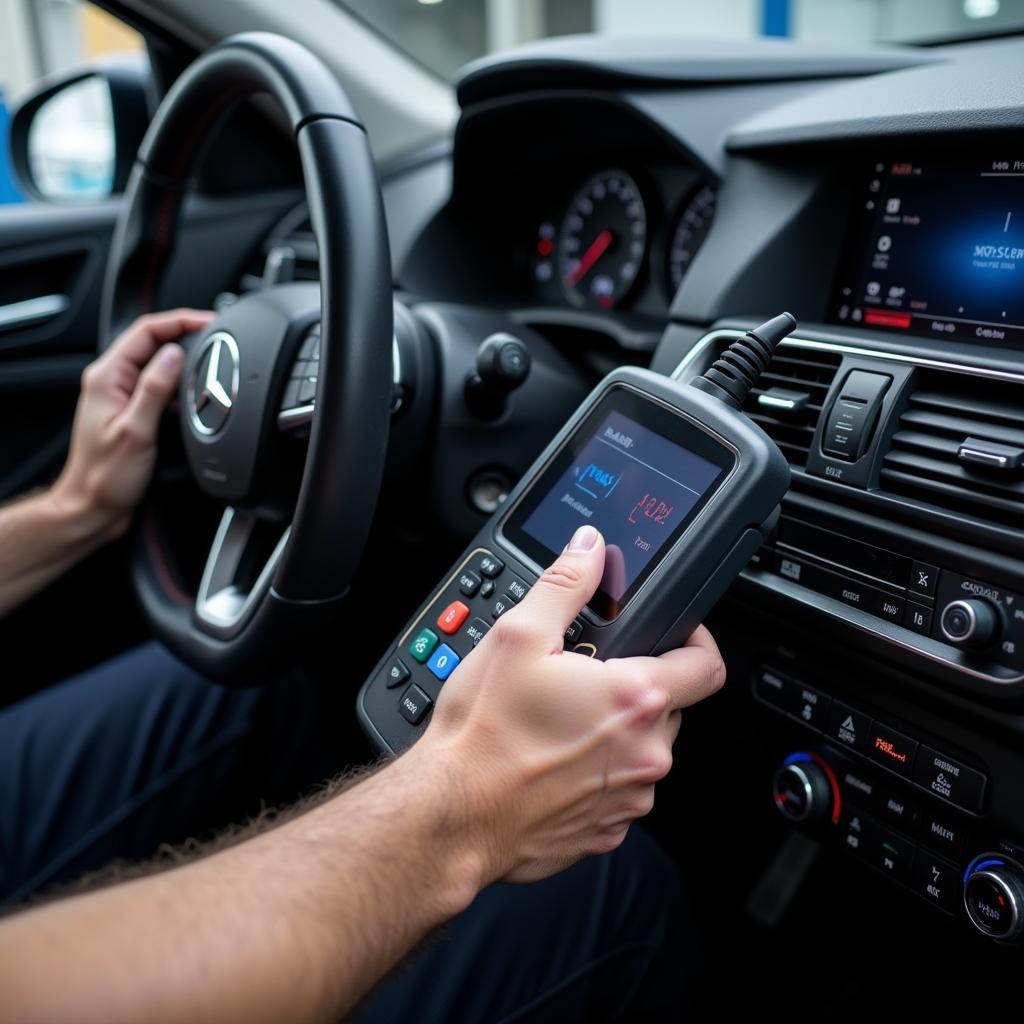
(113, 450)
(533, 759)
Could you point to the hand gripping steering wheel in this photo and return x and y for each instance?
(257, 598)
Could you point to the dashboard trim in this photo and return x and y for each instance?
(819, 602)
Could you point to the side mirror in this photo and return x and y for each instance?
(75, 137)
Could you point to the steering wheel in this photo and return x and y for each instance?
(258, 597)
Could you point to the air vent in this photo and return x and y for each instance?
(786, 402)
(960, 446)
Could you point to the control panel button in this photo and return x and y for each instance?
(810, 705)
(469, 583)
(396, 674)
(895, 807)
(857, 786)
(802, 790)
(892, 748)
(774, 688)
(969, 622)
(451, 619)
(307, 390)
(573, 632)
(857, 830)
(489, 566)
(937, 880)
(924, 579)
(893, 855)
(942, 834)
(487, 588)
(950, 779)
(414, 704)
(918, 617)
(516, 590)
(423, 644)
(501, 606)
(475, 631)
(443, 662)
(848, 726)
(994, 897)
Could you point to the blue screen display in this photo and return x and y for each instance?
(631, 483)
(938, 249)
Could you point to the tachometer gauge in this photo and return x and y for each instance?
(691, 227)
(602, 241)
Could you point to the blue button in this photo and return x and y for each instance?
(444, 662)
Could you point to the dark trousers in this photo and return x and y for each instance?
(142, 751)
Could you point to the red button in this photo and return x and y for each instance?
(452, 617)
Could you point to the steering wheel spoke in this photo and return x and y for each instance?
(239, 568)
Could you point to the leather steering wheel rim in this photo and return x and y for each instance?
(316, 561)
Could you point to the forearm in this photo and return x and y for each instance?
(42, 536)
(295, 925)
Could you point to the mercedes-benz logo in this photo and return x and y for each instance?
(213, 386)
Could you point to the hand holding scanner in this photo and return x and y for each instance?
(683, 487)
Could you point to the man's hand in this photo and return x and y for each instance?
(557, 753)
(113, 443)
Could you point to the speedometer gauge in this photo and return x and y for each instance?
(602, 241)
(691, 227)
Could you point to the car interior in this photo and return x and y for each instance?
(848, 811)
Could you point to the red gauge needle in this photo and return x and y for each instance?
(590, 257)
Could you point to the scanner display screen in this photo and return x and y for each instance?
(637, 472)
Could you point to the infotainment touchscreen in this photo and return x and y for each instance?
(638, 472)
(937, 248)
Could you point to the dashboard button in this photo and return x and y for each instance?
(423, 644)
(884, 605)
(895, 807)
(490, 566)
(516, 589)
(942, 834)
(469, 583)
(848, 726)
(893, 855)
(774, 688)
(918, 617)
(950, 779)
(396, 674)
(857, 786)
(892, 748)
(924, 579)
(810, 705)
(857, 830)
(451, 619)
(501, 606)
(443, 662)
(414, 704)
(573, 632)
(487, 588)
(937, 880)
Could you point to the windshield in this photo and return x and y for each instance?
(445, 34)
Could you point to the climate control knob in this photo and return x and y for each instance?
(802, 789)
(994, 898)
(969, 622)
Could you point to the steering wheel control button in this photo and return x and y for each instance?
(937, 881)
(774, 688)
(810, 706)
(501, 606)
(516, 590)
(476, 631)
(451, 619)
(924, 579)
(443, 662)
(423, 645)
(847, 726)
(950, 779)
(397, 673)
(414, 704)
(307, 390)
(291, 395)
(994, 898)
(918, 617)
(469, 583)
(490, 566)
(970, 622)
(893, 749)
(574, 632)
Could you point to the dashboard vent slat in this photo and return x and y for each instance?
(923, 460)
(805, 371)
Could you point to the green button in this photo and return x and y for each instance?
(423, 646)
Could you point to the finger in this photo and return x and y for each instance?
(562, 591)
(138, 343)
(687, 675)
(157, 382)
